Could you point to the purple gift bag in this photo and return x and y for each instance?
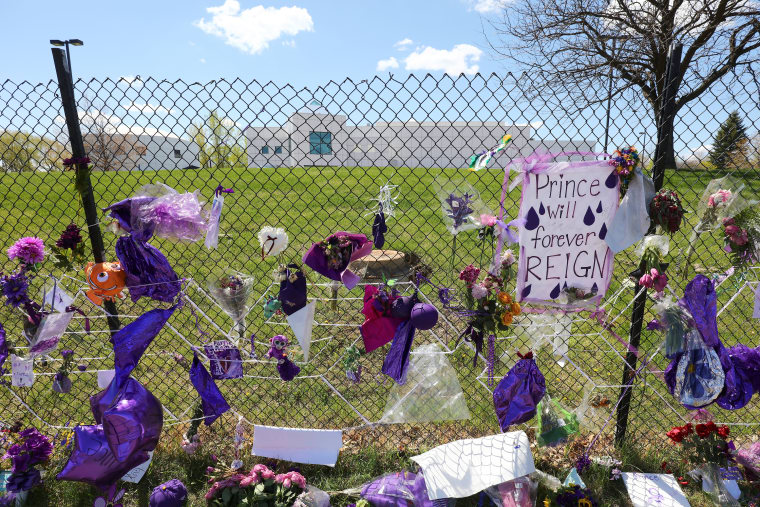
(293, 290)
(517, 395)
(224, 358)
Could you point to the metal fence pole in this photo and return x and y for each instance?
(664, 129)
(66, 87)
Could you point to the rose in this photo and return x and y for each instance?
(676, 435)
(723, 431)
(267, 474)
(704, 430)
(259, 468)
(487, 220)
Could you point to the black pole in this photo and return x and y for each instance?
(664, 129)
(66, 87)
(609, 102)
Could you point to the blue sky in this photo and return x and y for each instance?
(304, 43)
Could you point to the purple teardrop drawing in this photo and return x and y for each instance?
(541, 209)
(531, 219)
(603, 231)
(612, 180)
(599, 208)
(564, 286)
(588, 218)
(554, 294)
(526, 291)
(594, 288)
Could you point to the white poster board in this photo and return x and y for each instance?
(654, 490)
(301, 445)
(49, 333)
(566, 210)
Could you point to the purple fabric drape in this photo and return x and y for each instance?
(131, 341)
(396, 362)
(517, 395)
(148, 272)
(212, 401)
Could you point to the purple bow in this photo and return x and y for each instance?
(220, 190)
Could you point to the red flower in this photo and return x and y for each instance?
(676, 434)
(702, 430)
(683, 482)
(723, 431)
(688, 428)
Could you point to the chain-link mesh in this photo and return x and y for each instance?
(311, 161)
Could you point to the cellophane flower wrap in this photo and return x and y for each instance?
(461, 206)
(168, 213)
(259, 487)
(232, 292)
(332, 256)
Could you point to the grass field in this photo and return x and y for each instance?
(310, 203)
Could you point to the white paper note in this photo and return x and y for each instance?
(658, 490)
(137, 472)
(105, 377)
(465, 467)
(300, 445)
(22, 371)
(56, 297)
(50, 332)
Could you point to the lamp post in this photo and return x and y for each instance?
(66, 43)
(643, 145)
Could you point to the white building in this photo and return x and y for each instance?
(315, 137)
(166, 152)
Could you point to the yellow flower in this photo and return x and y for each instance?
(515, 308)
(504, 298)
(506, 318)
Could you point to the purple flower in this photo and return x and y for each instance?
(70, 238)
(29, 250)
(459, 208)
(655, 325)
(14, 289)
(82, 367)
(582, 463)
(23, 481)
(67, 353)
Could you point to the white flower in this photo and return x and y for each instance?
(508, 258)
(273, 241)
(478, 291)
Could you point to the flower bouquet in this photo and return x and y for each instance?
(651, 271)
(706, 446)
(260, 487)
(625, 162)
(231, 292)
(666, 210)
(29, 448)
(331, 256)
(489, 306)
(68, 251)
(742, 237)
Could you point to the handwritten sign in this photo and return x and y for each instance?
(22, 371)
(567, 213)
(138, 472)
(647, 490)
(51, 329)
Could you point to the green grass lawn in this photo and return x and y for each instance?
(310, 203)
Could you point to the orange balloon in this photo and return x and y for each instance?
(107, 280)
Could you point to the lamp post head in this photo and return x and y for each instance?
(57, 43)
(76, 42)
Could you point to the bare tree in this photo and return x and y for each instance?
(571, 44)
(107, 147)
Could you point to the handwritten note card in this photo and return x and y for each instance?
(22, 371)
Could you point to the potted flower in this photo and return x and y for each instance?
(261, 487)
(29, 448)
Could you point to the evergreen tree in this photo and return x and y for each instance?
(730, 142)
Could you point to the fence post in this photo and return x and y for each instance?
(664, 129)
(66, 87)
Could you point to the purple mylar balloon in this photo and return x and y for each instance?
(212, 401)
(131, 341)
(517, 395)
(131, 417)
(92, 461)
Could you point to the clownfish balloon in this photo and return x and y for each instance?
(107, 280)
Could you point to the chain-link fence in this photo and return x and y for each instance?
(312, 161)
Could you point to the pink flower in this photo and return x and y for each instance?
(279, 478)
(728, 221)
(249, 480)
(298, 479)
(736, 235)
(469, 274)
(287, 483)
(267, 474)
(719, 197)
(647, 281)
(660, 282)
(259, 468)
(479, 292)
(487, 220)
(211, 492)
(29, 250)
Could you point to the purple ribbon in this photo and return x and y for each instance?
(220, 190)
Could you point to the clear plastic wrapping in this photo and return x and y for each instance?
(555, 423)
(722, 198)
(520, 492)
(431, 393)
(168, 213)
(461, 205)
(212, 231)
